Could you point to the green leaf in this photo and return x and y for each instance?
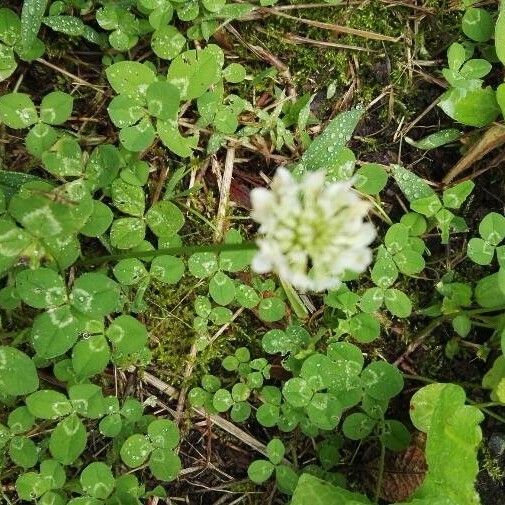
(476, 68)
(19, 421)
(396, 238)
(127, 232)
(111, 425)
(456, 56)
(271, 309)
(130, 78)
(454, 197)
(130, 271)
(10, 26)
(492, 228)
(167, 42)
(63, 158)
(490, 291)
(167, 269)
(246, 296)
(30, 486)
(163, 99)
(18, 375)
(437, 139)
(409, 262)
(222, 400)
(364, 328)
(324, 411)
(297, 392)
(55, 332)
(397, 302)
(90, 356)
(453, 432)
(53, 473)
(428, 206)
(138, 137)
(381, 380)
(240, 412)
(128, 198)
(499, 39)
(8, 62)
(260, 471)
(222, 289)
(480, 251)
(69, 25)
(325, 150)
(48, 404)
(41, 288)
(124, 111)
(163, 433)
(68, 440)
(87, 400)
(164, 464)
(164, 218)
(412, 186)
(46, 211)
(135, 450)
(40, 138)
(234, 73)
(97, 480)
(102, 167)
(56, 108)
(494, 379)
(415, 223)
(396, 436)
(193, 72)
(286, 479)
(384, 271)
(477, 24)
(371, 178)
(171, 137)
(95, 295)
(357, 426)
(17, 110)
(99, 221)
(473, 107)
(202, 265)
(32, 13)
(23, 451)
(313, 491)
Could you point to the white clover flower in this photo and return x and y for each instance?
(311, 232)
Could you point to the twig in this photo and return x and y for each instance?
(421, 336)
(217, 420)
(69, 74)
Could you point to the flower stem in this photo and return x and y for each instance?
(181, 251)
(382, 459)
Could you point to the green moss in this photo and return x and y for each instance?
(314, 68)
(169, 319)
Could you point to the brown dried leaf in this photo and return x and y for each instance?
(404, 472)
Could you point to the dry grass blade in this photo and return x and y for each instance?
(224, 194)
(296, 39)
(337, 28)
(76, 78)
(404, 472)
(491, 140)
(222, 423)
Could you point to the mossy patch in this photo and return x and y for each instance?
(380, 64)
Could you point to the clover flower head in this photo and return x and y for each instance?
(311, 231)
